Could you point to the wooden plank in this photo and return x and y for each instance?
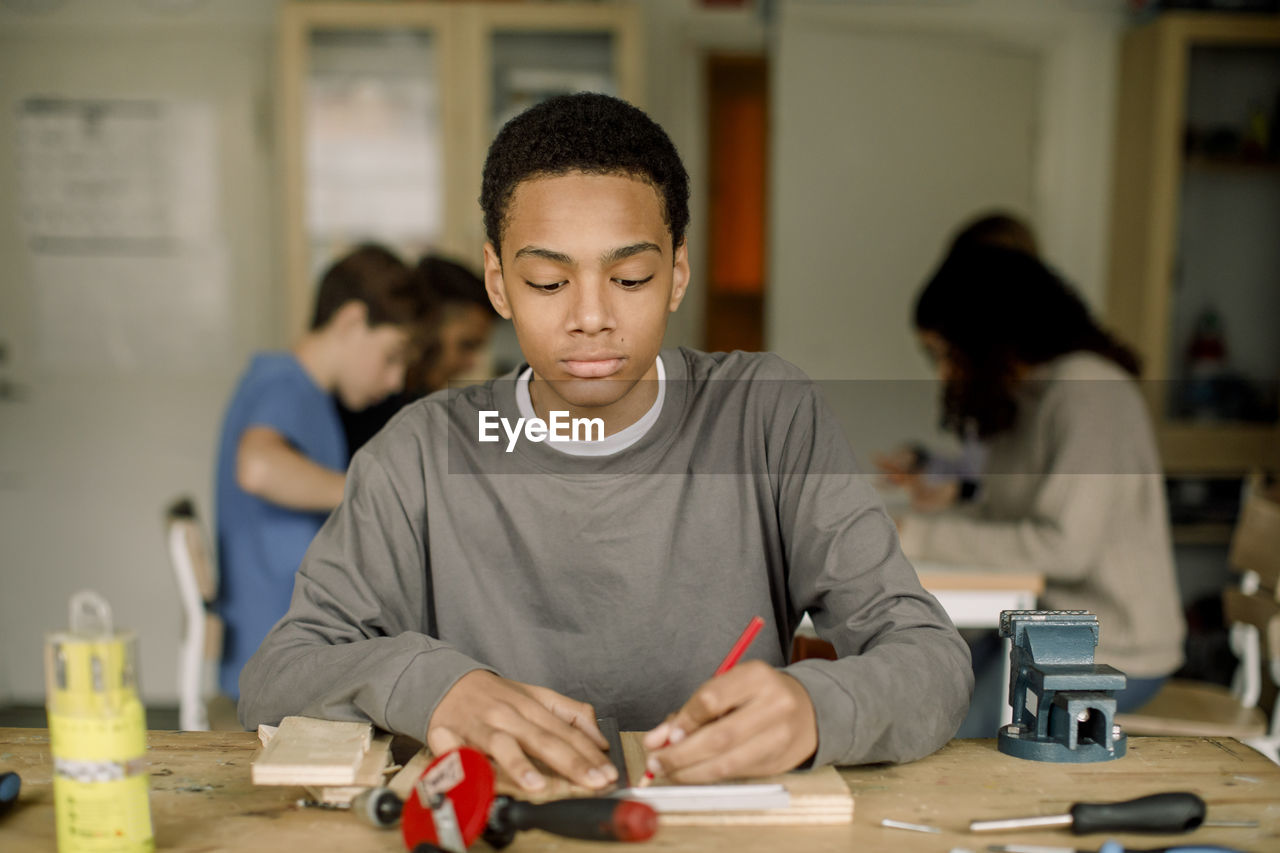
(307, 751)
(817, 796)
(372, 772)
(402, 782)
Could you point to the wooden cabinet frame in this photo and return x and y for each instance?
(1144, 221)
(462, 43)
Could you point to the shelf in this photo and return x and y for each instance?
(1231, 166)
(1209, 533)
(1226, 449)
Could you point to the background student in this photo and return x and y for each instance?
(282, 453)
(1073, 485)
(931, 480)
(463, 324)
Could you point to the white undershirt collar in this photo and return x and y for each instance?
(610, 444)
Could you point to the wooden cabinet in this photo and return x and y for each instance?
(1195, 239)
(386, 111)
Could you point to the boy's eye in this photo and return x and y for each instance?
(633, 282)
(546, 288)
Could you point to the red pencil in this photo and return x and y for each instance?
(735, 654)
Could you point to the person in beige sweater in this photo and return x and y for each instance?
(1073, 485)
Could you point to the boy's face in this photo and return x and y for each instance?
(373, 363)
(462, 335)
(588, 275)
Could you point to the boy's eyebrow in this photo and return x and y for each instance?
(613, 256)
(610, 257)
(546, 254)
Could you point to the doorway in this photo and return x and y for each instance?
(737, 132)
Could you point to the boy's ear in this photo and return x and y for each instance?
(679, 276)
(351, 316)
(493, 284)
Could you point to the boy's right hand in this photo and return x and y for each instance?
(511, 722)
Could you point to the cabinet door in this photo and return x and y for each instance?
(525, 54)
(1195, 258)
(1224, 344)
(365, 95)
(387, 110)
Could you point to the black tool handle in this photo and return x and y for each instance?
(1180, 811)
(588, 818)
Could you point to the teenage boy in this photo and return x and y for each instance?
(502, 590)
(282, 454)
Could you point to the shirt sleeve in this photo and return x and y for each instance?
(1084, 432)
(284, 405)
(355, 643)
(903, 680)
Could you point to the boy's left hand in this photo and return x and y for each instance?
(753, 720)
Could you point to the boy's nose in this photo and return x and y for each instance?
(593, 309)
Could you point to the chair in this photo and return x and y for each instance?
(201, 646)
(1252, 610)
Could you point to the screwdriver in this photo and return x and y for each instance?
(1179, 811)
(1110, 847)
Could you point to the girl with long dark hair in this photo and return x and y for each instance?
(1072, 485)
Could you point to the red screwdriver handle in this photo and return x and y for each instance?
(588, 818)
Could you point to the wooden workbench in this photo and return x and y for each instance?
(201, 799)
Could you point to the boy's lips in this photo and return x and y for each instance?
(592, 368)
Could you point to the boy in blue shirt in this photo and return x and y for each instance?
(283, 455)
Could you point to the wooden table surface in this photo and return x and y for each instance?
(202, 799)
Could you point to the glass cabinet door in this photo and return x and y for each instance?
(530, 54)
(1224, 341)
(387, 110)
(364, 98)
(1195, 242)
(530, 67)
(373, 143)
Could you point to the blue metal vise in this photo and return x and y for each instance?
(1064, 704)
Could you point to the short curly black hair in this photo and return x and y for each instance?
(586, 132)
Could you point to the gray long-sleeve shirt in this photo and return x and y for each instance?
(619, 580)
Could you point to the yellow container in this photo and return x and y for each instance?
(98, 734)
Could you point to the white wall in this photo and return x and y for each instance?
(876, 106)
(91, 454)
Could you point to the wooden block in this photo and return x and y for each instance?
(307, 751)
(402, 782)
(371, 773)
